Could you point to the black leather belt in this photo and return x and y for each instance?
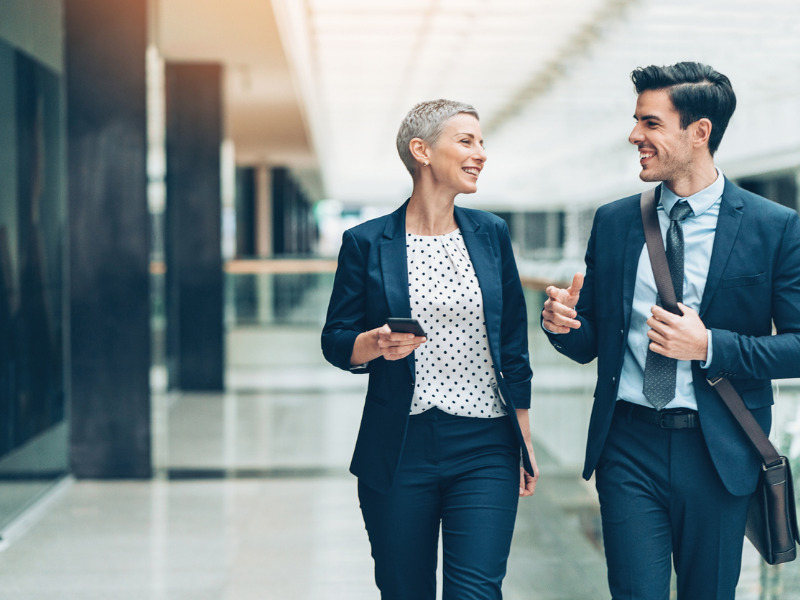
(672, 418)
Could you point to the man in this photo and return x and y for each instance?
(674, 471)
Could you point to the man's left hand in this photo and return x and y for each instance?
(683, 337)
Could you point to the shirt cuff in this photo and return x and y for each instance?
(547, 331)
(709, 352)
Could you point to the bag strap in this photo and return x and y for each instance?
(751, 427)
(658, 256)
(666, 292)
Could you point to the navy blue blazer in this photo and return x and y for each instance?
(371, 284)
(753, 283)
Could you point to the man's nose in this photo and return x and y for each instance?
(636, 136)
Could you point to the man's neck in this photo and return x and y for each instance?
(697, 179)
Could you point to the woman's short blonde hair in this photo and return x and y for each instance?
(426, 121)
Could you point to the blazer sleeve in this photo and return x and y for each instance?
(738, 356)
(516, 370)
(581, 344)
(346, 310)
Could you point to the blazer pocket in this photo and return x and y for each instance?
(757, 398)
(756, 393)
(377, 399)
(732, 282)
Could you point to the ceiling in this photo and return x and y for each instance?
(322, 85)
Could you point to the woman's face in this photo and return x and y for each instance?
(457, 157)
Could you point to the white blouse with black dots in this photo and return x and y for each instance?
(454, 370)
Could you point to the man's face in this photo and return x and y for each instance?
(665, 150)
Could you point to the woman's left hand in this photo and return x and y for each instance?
(527, 482)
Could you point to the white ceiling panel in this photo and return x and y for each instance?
(550, 80)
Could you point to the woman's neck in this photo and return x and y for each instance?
(428, 215)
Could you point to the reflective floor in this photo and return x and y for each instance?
(252, 498)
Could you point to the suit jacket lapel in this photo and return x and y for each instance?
(481, 253)
(728, 223)
(394, 268)
(630, 262)
(394, 264)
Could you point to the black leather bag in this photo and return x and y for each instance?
(772, 517)
(772, 520)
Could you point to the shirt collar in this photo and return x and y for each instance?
(700, 202)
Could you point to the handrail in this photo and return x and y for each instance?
(286, 266)
(540, 284)
(272, 266)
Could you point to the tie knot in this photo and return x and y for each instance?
(680, 211)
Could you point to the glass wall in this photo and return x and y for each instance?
(33, 419)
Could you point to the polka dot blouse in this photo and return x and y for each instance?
(454, 370)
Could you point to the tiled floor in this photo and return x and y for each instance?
(252, 499)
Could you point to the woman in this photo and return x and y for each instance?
(445, 420)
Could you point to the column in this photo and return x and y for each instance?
(195, 325)
(108, 238)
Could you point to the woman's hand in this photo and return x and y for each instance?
(527, 482)
(384, 342)
(394, 346)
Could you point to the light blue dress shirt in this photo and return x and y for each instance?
(698, 241)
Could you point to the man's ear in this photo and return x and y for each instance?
(420, 151)
(701, 131)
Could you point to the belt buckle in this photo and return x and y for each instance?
(678, 420)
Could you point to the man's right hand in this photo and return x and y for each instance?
(559, 315)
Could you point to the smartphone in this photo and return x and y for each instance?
(403, 325)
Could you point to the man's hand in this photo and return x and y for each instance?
(559, 313)
(683, 337)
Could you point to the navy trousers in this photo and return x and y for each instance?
(462, 473)
(661, 500)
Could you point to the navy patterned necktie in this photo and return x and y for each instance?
(660, 371)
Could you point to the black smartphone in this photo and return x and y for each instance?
(403, 325)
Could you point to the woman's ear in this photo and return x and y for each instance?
(420, 151)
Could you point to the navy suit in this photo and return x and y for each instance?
(372, 284)
(753, 283)
(417, 473)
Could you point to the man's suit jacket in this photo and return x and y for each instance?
(371, 284)
(753, 282)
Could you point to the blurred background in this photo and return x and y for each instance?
(175, 177)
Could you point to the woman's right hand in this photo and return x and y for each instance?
(386, 343)
(394, 345)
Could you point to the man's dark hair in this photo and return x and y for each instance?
(697, 91)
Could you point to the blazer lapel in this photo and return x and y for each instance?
(394, 265)
(728, 223)
(481, 253)
(394, 268)
(630, 262)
